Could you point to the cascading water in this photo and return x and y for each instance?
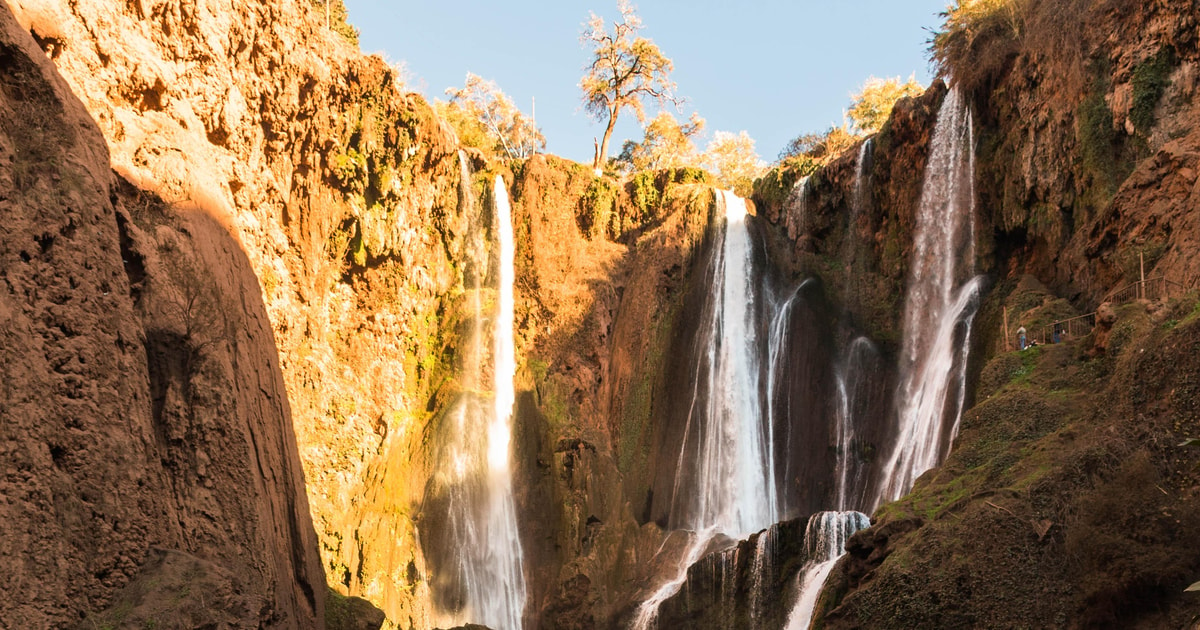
(724, 482)
(941, 303)
(797, 209)
(853, 377)
(777, 343)
(825, 541)
(485, 580)
(506, 601)
(862, 170)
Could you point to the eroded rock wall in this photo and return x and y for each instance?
(147, 433)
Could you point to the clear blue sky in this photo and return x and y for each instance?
(774, 68)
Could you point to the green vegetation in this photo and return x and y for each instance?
(666, 144)
(645, 193)
(1150, 80)
(734, 162)
(976, 39)
(598, 209)
(335, 19)
(1104, 159)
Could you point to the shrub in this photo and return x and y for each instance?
(1150, 80)
(977, 39)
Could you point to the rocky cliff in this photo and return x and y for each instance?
(1067, 500)
(343, 192)
(149, 451)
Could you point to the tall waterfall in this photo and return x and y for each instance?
(503, 601)
(732, 490)
(825, 541)
(940, 306)
(724, 481)
(483, 579)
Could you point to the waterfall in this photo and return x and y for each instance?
(484, 580)
(940, 306)
(732, 491)
(762, 571)
(825, 541)
(724, 481)
(502, 606)
(853, 377)
(777, 343)
(862, 176)
(797, 209)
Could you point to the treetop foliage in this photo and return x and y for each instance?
(667, 144)
(734, 162)
(625, 69)
(485, 117)
(873, 103)
(869, 110)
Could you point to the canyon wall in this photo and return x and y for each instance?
(147, 433)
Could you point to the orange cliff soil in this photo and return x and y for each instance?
(150, 471)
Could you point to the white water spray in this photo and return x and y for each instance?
(483, 547)
(825, 540)
(941, 303)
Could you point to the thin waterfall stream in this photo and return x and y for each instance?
(484, 578)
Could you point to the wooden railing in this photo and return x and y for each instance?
(1062, 330)
(1148, 289)
(1156, 288)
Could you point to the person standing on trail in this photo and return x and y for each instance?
(1021, 338)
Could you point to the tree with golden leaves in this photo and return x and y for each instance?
(625, 70)
(873, 103)
(667, 143)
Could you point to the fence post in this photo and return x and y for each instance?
(1007, 341)
(1142, 269)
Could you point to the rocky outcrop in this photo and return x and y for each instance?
(146, 429)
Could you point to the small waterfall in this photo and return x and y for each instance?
(797, 209)
(763, 571)
(724, 483)
(862, 176)
(853, 377)
(777, 343)
(484, 582)
(940, 306)
(825, 541)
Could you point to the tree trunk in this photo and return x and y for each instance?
(612, 122)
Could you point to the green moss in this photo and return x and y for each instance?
(349, 170)
(645, 195)
(597, 209)
(1150, 80)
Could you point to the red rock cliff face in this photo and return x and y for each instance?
(148, 455)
